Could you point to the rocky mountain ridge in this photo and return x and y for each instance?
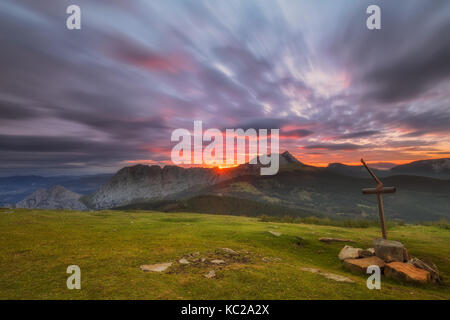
(56, 197)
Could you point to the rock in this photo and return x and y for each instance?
(361, 265)
(229, 251)
(270, 259)
(159, 267)
(349, 252)
(367, 253)
(183, 261)
(276, 234)
(390, 250)
(327, 275)
(148, 183)
(57, 197)
(217, 261)
(210, 274)
(335, 240)
(406, 272)
(430, 267)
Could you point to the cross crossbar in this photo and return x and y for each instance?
(381, 190)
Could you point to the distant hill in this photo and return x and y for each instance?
(16, 188)
(56, 197)
(355, 171)
(437, 168)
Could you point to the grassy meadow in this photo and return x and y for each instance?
(109, 246)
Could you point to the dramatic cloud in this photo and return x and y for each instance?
(110, 94)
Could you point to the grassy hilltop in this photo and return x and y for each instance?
(109, 246)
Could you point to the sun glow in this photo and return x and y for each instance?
(221, 167)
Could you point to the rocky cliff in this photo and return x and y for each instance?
(56, 197)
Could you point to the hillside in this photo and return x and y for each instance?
(312, 191)
(436, 168)
(109, 247)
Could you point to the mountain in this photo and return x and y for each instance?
(56, 197)
(142, 183)
(436, 168)
(355, 171)
(15, 188)
(297, 189)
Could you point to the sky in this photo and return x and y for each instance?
(110, 95)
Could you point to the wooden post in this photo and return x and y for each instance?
(381, 213)
(379, 190)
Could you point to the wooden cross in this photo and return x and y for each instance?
(378, 191)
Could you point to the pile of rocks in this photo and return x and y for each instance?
(393, 259)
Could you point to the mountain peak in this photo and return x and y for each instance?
(289, 158)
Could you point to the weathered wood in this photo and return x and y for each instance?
(379, 190)
(376, 191)
(381, 213)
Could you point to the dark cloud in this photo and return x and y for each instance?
(297, 133)
(336, 146)
(16, 111)
(402, 60)
(115, 90)
(264, 123)
(359, 134)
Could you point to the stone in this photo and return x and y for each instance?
(327, 275)
(183, 261)
(367, 253)
(210, 274)
(270, 259)
(406, 272)
(390, 250)
(430, 267)
(335, 240)
(159, 267)
(229, 251)
(361, 265)
(217, 261)
(349, 252)
(276, 234)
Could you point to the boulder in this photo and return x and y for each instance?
(217, 261)
(159, 267)
(390, 250)
(406, 272)
(361, 265)
(367, 253)
(348, 252)
(210, 274)
(430, 267)
(229, 251)
(276, 234)
(183, 261)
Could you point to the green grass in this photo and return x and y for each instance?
(109, 246)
